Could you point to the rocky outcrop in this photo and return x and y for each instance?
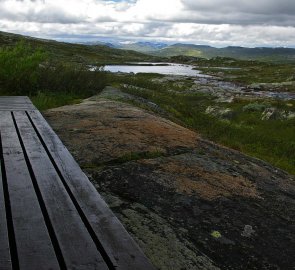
(189, 203)
(276, 114)
(225, 92)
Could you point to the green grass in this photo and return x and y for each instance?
(44, 101)
(30, 72)
(272, 140)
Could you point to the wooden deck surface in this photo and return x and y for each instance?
(51, 216)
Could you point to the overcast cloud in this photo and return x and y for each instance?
(214, 22)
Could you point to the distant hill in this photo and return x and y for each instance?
(100, 52)
(108, 44)
(76, 53)
(260, 53)
(144, 47)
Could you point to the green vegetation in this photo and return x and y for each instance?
(75, 53)
(28, 71)
(261, 54)
(44, 101)
(216, 234)
(271, 140)
(55, 74)
(19, 69)
(179, 50)
(255, 107)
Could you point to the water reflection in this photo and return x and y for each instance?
(161, 68)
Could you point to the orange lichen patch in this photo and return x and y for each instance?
(206, 184)
(107, 129)
(219, 185)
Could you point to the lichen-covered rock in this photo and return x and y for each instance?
(193, 204)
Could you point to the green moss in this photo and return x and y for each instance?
(44, 101)
(216, 234)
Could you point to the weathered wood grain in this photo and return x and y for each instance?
(78, 248)
(34, 247)
(8, 103)
(5, 260)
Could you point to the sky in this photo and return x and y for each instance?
(217, 23)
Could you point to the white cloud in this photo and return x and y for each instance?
(215, 22)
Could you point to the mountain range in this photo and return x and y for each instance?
(161, 49)
(114, 51)
(165, 50)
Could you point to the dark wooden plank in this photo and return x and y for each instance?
(19, 104)
(16, 100)
(5, 260)
(13, 101)
(26, 98)
(16, 103)
(16, 108)
(16, 97)
(122, 249)
(34, 246)
(78, 249)
(4, 104)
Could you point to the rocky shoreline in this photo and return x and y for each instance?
(227, 91)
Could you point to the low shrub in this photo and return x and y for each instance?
(28, 71)
(255, 107)
(20, 69)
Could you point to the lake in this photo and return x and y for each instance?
(161, 68)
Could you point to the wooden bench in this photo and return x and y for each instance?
(51, 216)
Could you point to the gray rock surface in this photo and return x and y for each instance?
(189, 203)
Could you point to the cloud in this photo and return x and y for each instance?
(267, 12)
(215, 22)
(36, 11)
(243, 6)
